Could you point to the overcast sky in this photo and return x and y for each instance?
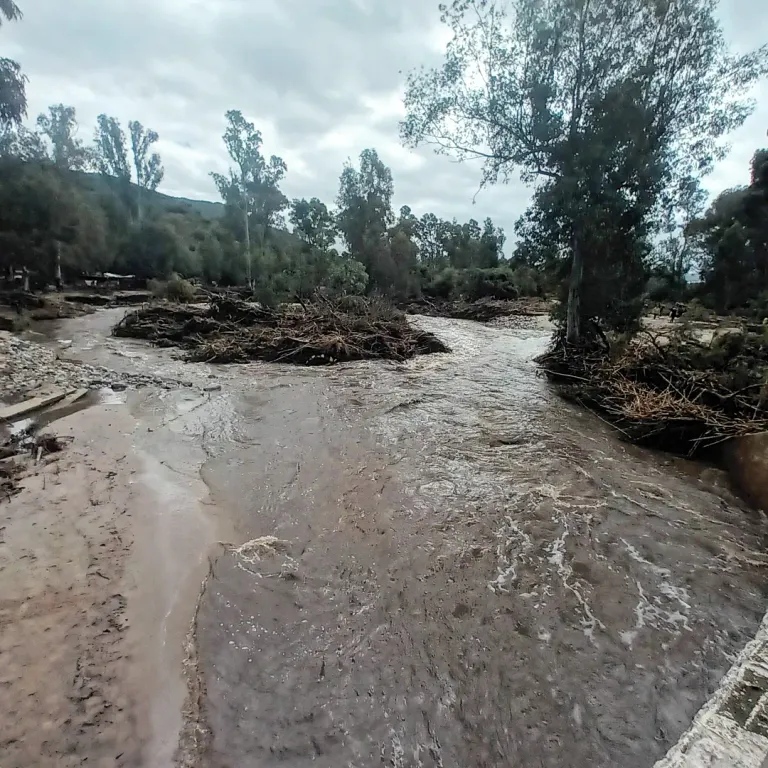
(322, 80)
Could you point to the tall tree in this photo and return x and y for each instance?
(251, 186)
(13, 96)
(268, 200)
(18, 141)
(365, 214)
(733, 235)
(59, 126)
(429, 235)
(612, 102)
(111, 150)
(149, 167)
(313, 223)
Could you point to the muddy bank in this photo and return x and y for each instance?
(102, 553)
(29, 368)
(69, 692)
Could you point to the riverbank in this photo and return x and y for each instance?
(71, 694)
(102, 552)
(28, 369)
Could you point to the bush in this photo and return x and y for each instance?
(443, 285)
(527, 281)
(346, 276)
(498, 283)
(697, 312)
(176, 289)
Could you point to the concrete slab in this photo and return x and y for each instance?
(731, 729)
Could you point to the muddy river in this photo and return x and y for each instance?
(434, 564)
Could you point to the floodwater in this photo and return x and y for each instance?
(440, 563)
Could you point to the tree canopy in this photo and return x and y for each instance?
(612, 107)
(13, 95)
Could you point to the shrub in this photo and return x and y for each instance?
(443, 285)
(498, 283)
(176, 289)
(697, 312)
(526, 281)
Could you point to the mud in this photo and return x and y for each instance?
(464, 570)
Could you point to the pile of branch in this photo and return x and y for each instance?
(320, 332)
(676, 393)
(482, 310)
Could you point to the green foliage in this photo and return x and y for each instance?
(443, 284)
(13, 97)
(111, 151)
(151, 249)
(59, 127)
(250, 190)
(616, 107)
(733, 238)
(313, 223)
(493, 283)
(697, 312)
(40, 214)
(180, 290)
(175, 289)
(345, 277)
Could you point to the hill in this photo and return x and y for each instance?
(206, 208)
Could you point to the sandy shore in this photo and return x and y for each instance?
(91, 628)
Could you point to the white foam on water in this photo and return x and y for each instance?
(514, 543)
(657, 611)
(589, 622)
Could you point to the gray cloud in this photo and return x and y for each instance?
(322, 80)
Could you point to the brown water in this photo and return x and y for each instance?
(466, 572)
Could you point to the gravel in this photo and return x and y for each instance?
(26, 366)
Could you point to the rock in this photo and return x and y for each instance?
(212, 388)
(118, 386)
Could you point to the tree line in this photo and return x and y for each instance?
(612, 111)
(68, 207)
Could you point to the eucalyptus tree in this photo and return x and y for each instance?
(611, 105)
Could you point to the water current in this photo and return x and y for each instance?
(439, 563)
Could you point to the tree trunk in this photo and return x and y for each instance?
(573, 311)
(57, 267)
(248, 266)
(25, 274)
(139, 210)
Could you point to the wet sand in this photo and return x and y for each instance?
(69, 692)
(461, 569)
(101, 559)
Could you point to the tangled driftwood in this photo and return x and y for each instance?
(677, 393)
(321, 332)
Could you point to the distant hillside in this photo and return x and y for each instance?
(205, 208)
(185, 213)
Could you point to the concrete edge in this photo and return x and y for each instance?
(731, 729)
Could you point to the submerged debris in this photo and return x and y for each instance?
(676, 392)
(483, 310)
(320, 332)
